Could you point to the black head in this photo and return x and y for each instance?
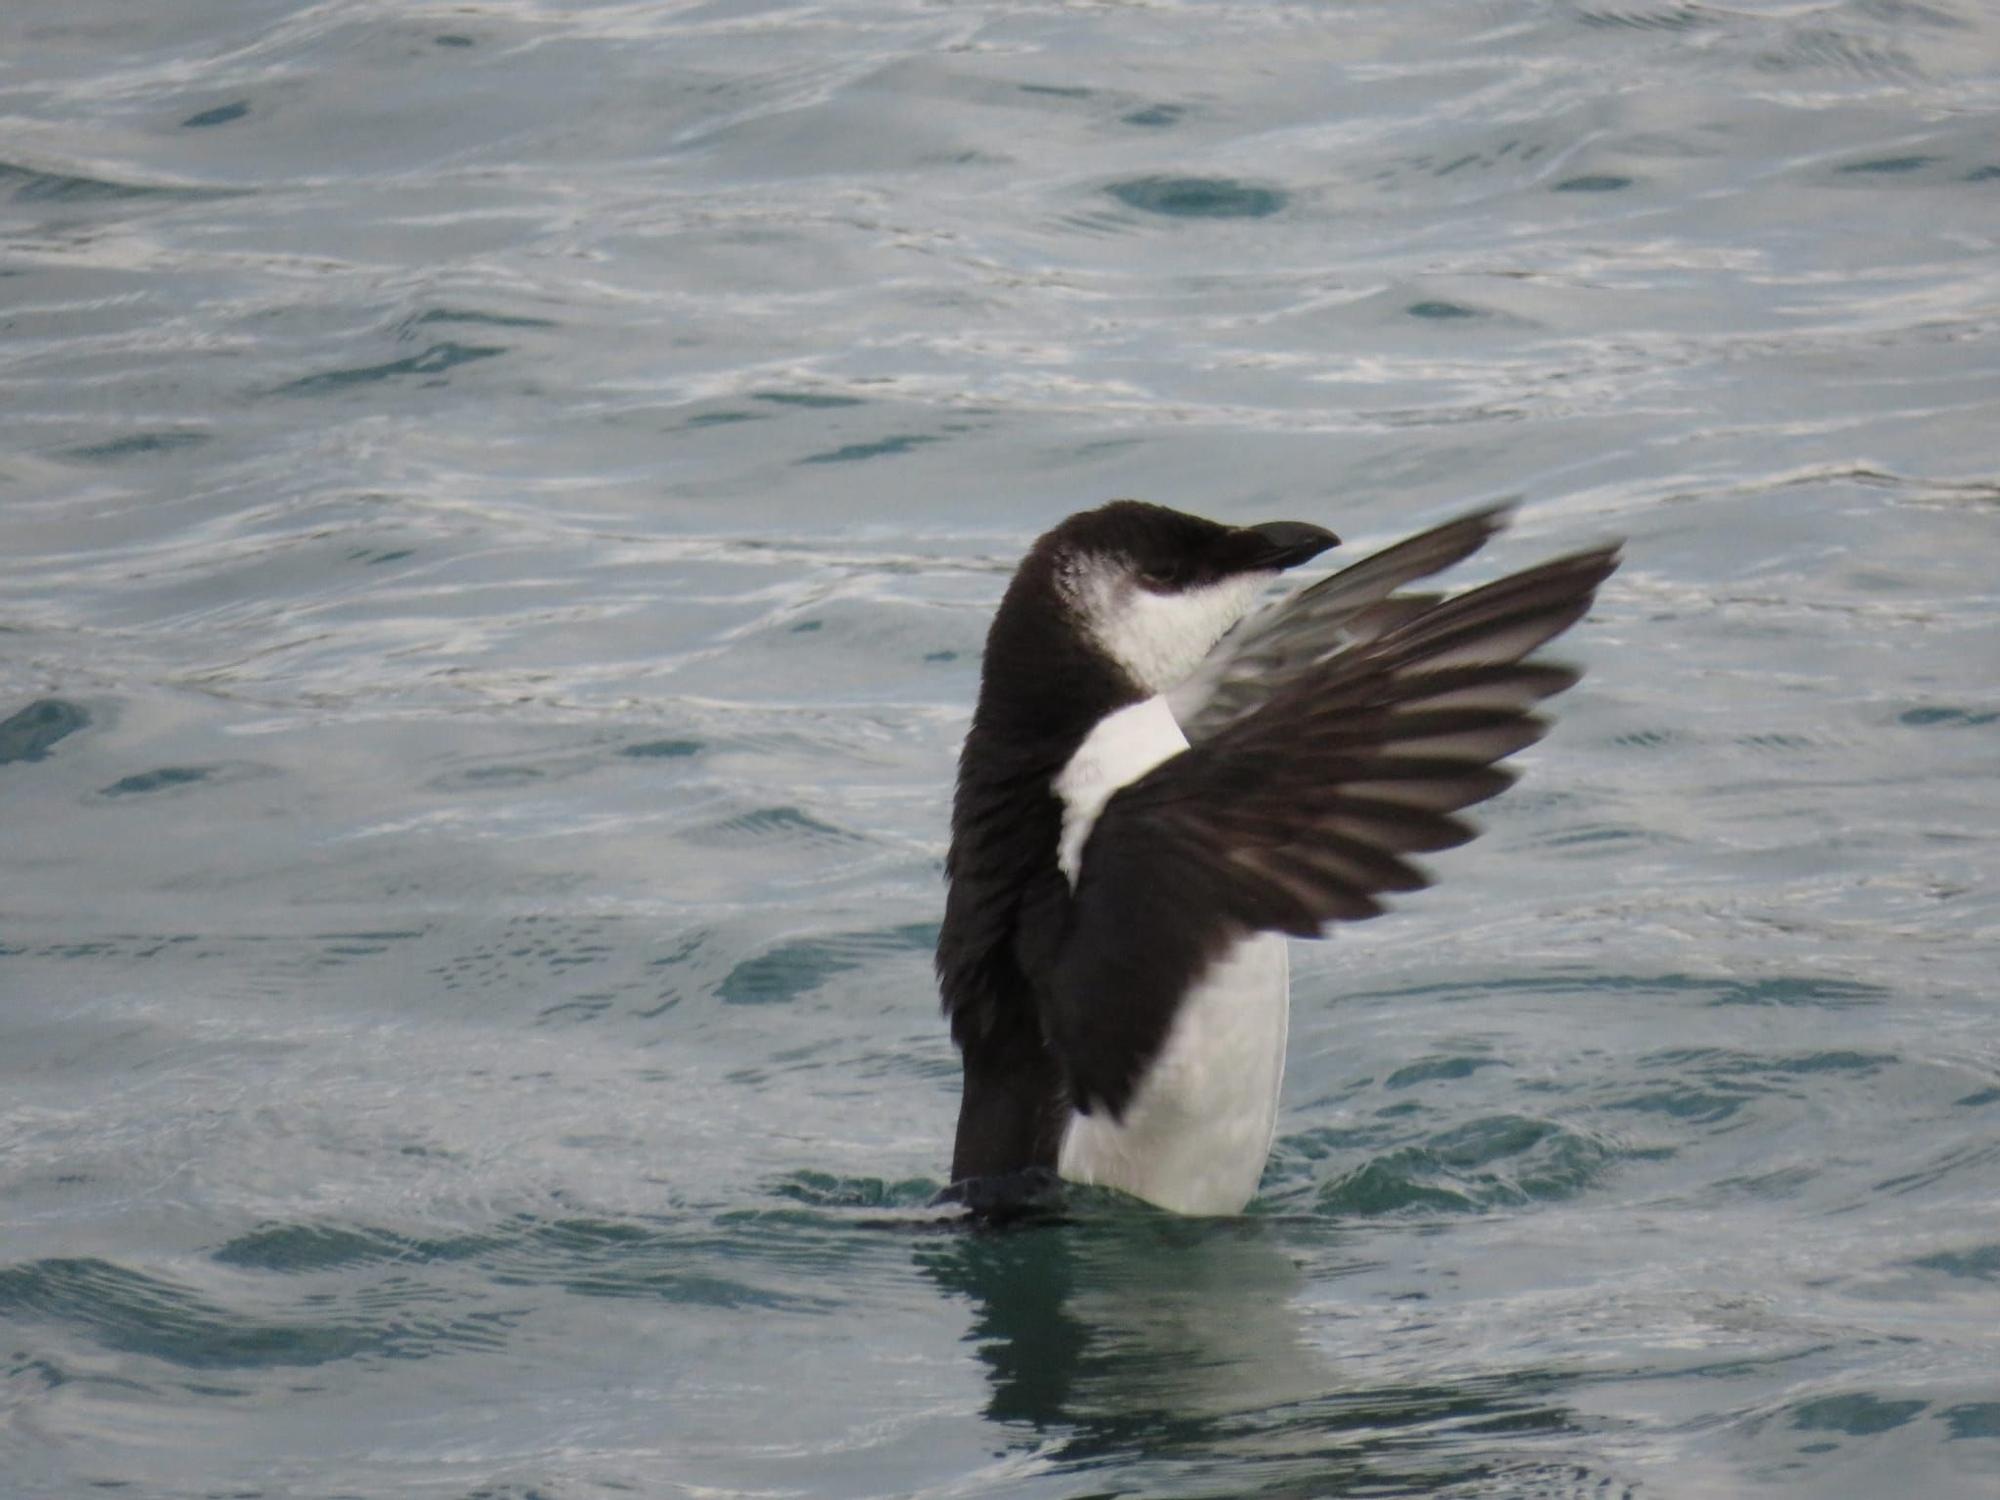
(1119, 603)
(1154, 589)
(1169, 551)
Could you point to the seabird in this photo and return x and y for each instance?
(1157, 791)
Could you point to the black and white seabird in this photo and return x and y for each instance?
(1156, 791)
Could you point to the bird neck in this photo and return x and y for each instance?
(1043, 686)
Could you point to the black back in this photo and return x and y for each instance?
(1043, 686)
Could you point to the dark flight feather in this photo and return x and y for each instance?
(1296, 813)
(1265, 653)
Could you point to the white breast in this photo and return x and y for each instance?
(1197, 1131)
(1123, 747)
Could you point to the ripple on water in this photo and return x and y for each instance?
(26, 185)
(824, 1190)
(163, 779)
(655, 1261)
(137, 445)
(1436, 310)
(883, 447)
(741, 1257)
(1199, 197)
(1972, 1419)
(296, 1249)
(1831, 49)
(1593, 182)
(809, 400)
(148, 1315)
(783, 824)
(1956, 1164)
(30, 733)
(662, 749)
(1659, 15)
(1931, 716)
(1859, 1414)
(1500, 1161)
(475, 316)
(571, 971)
(434, 361)
(797, 968)
(1980, 1263)
(221, 114)
(376, 1309)
(1777, 989)
(1712, 1085)
(1436, 1069)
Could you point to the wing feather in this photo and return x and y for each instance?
(1297, 804)
(1356, 605)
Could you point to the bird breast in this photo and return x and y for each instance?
(1196, 1133)
(1122, 747)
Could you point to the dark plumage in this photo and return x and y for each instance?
(1329, 739)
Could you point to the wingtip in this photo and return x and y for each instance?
(1603, 560)
(1499, 514)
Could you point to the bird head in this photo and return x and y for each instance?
(1154, 589)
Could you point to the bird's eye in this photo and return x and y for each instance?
(1162, 576)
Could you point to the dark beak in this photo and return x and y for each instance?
(1280, 544)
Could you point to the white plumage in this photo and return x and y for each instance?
(1197, 1132)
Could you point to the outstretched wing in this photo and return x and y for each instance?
(1300, 811)
(1267, 652)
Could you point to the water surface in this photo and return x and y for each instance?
(499, 507)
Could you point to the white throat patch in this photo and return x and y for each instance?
(1157, 638)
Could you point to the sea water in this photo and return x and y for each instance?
(500, 504)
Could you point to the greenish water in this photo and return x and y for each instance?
(499, 507)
